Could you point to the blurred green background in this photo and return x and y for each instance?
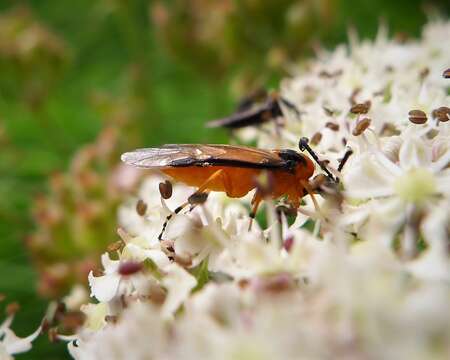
(138, 72)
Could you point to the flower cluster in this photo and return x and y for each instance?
(366, 275)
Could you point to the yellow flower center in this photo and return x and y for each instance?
(247, 352)
(416, 185)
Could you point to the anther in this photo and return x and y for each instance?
(361, 108)
(129, 268)
(446, 74)
(111, 319)
(353, 96)
(53, 336)
(424, 73)
(141, 207)
(115, 246)
(442, 114)
(165, 189)
(288, 243)
(316, 138)
(328, 111)
(333, 126)
(361, 126)
(417, 117)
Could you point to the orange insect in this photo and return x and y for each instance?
(232, 169)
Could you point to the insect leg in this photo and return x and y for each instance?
(199, 191)
(257, 198)
(209, 180)
(176, 211)
(311, 193)
(303, 145)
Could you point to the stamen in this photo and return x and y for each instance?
(361, 108)
(123, 235)
(442, 114)
(332, 126)
(361, 126)
(288, 243)
(115, 246)
(446, 74)
(111, 319)
(353, 96)
(166, 189)
(316, 138)
(141, 207)
(129, 268)
(417, 117)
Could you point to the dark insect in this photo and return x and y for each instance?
(256, 109)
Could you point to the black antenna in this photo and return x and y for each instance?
(303, 145)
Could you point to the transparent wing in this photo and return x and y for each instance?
(180, 155)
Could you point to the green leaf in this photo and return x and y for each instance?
(201, 273)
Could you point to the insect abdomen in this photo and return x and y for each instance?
(235, 181)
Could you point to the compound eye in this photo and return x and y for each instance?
(302, 159)
(291, 164)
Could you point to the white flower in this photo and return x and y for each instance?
(149, 225)
(77, 297)
(95, 315)
(139, 334)
(179, 284)
(10, 343)
(408, 175)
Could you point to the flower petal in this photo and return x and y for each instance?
(105, 287)
(179, 284)
(367, 178)
(414, 153)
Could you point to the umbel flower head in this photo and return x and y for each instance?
(367, 275)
